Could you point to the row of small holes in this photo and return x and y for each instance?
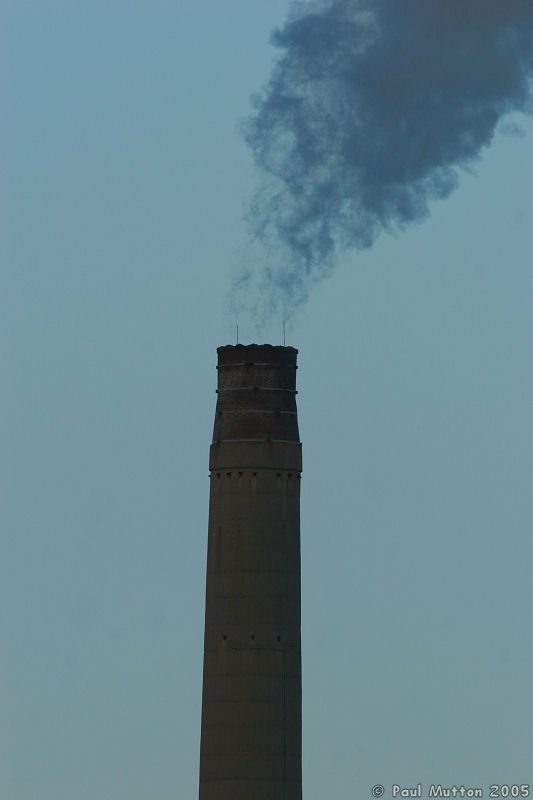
(252, 637)
(278, 474)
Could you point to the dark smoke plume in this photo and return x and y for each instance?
(372, 109)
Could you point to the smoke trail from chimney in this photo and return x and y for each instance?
(372, 110)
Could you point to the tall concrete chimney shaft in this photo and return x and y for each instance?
(251, 704)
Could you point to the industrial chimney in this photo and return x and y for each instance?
(251, 703)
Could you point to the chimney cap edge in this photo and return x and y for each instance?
(278, 347)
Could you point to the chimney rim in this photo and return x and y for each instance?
(254, 346)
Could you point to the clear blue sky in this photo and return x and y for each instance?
(123, 184)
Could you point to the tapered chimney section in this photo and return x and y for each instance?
(251, 704)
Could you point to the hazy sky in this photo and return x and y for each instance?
(124, 180)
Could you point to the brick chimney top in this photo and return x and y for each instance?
(256, 393)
